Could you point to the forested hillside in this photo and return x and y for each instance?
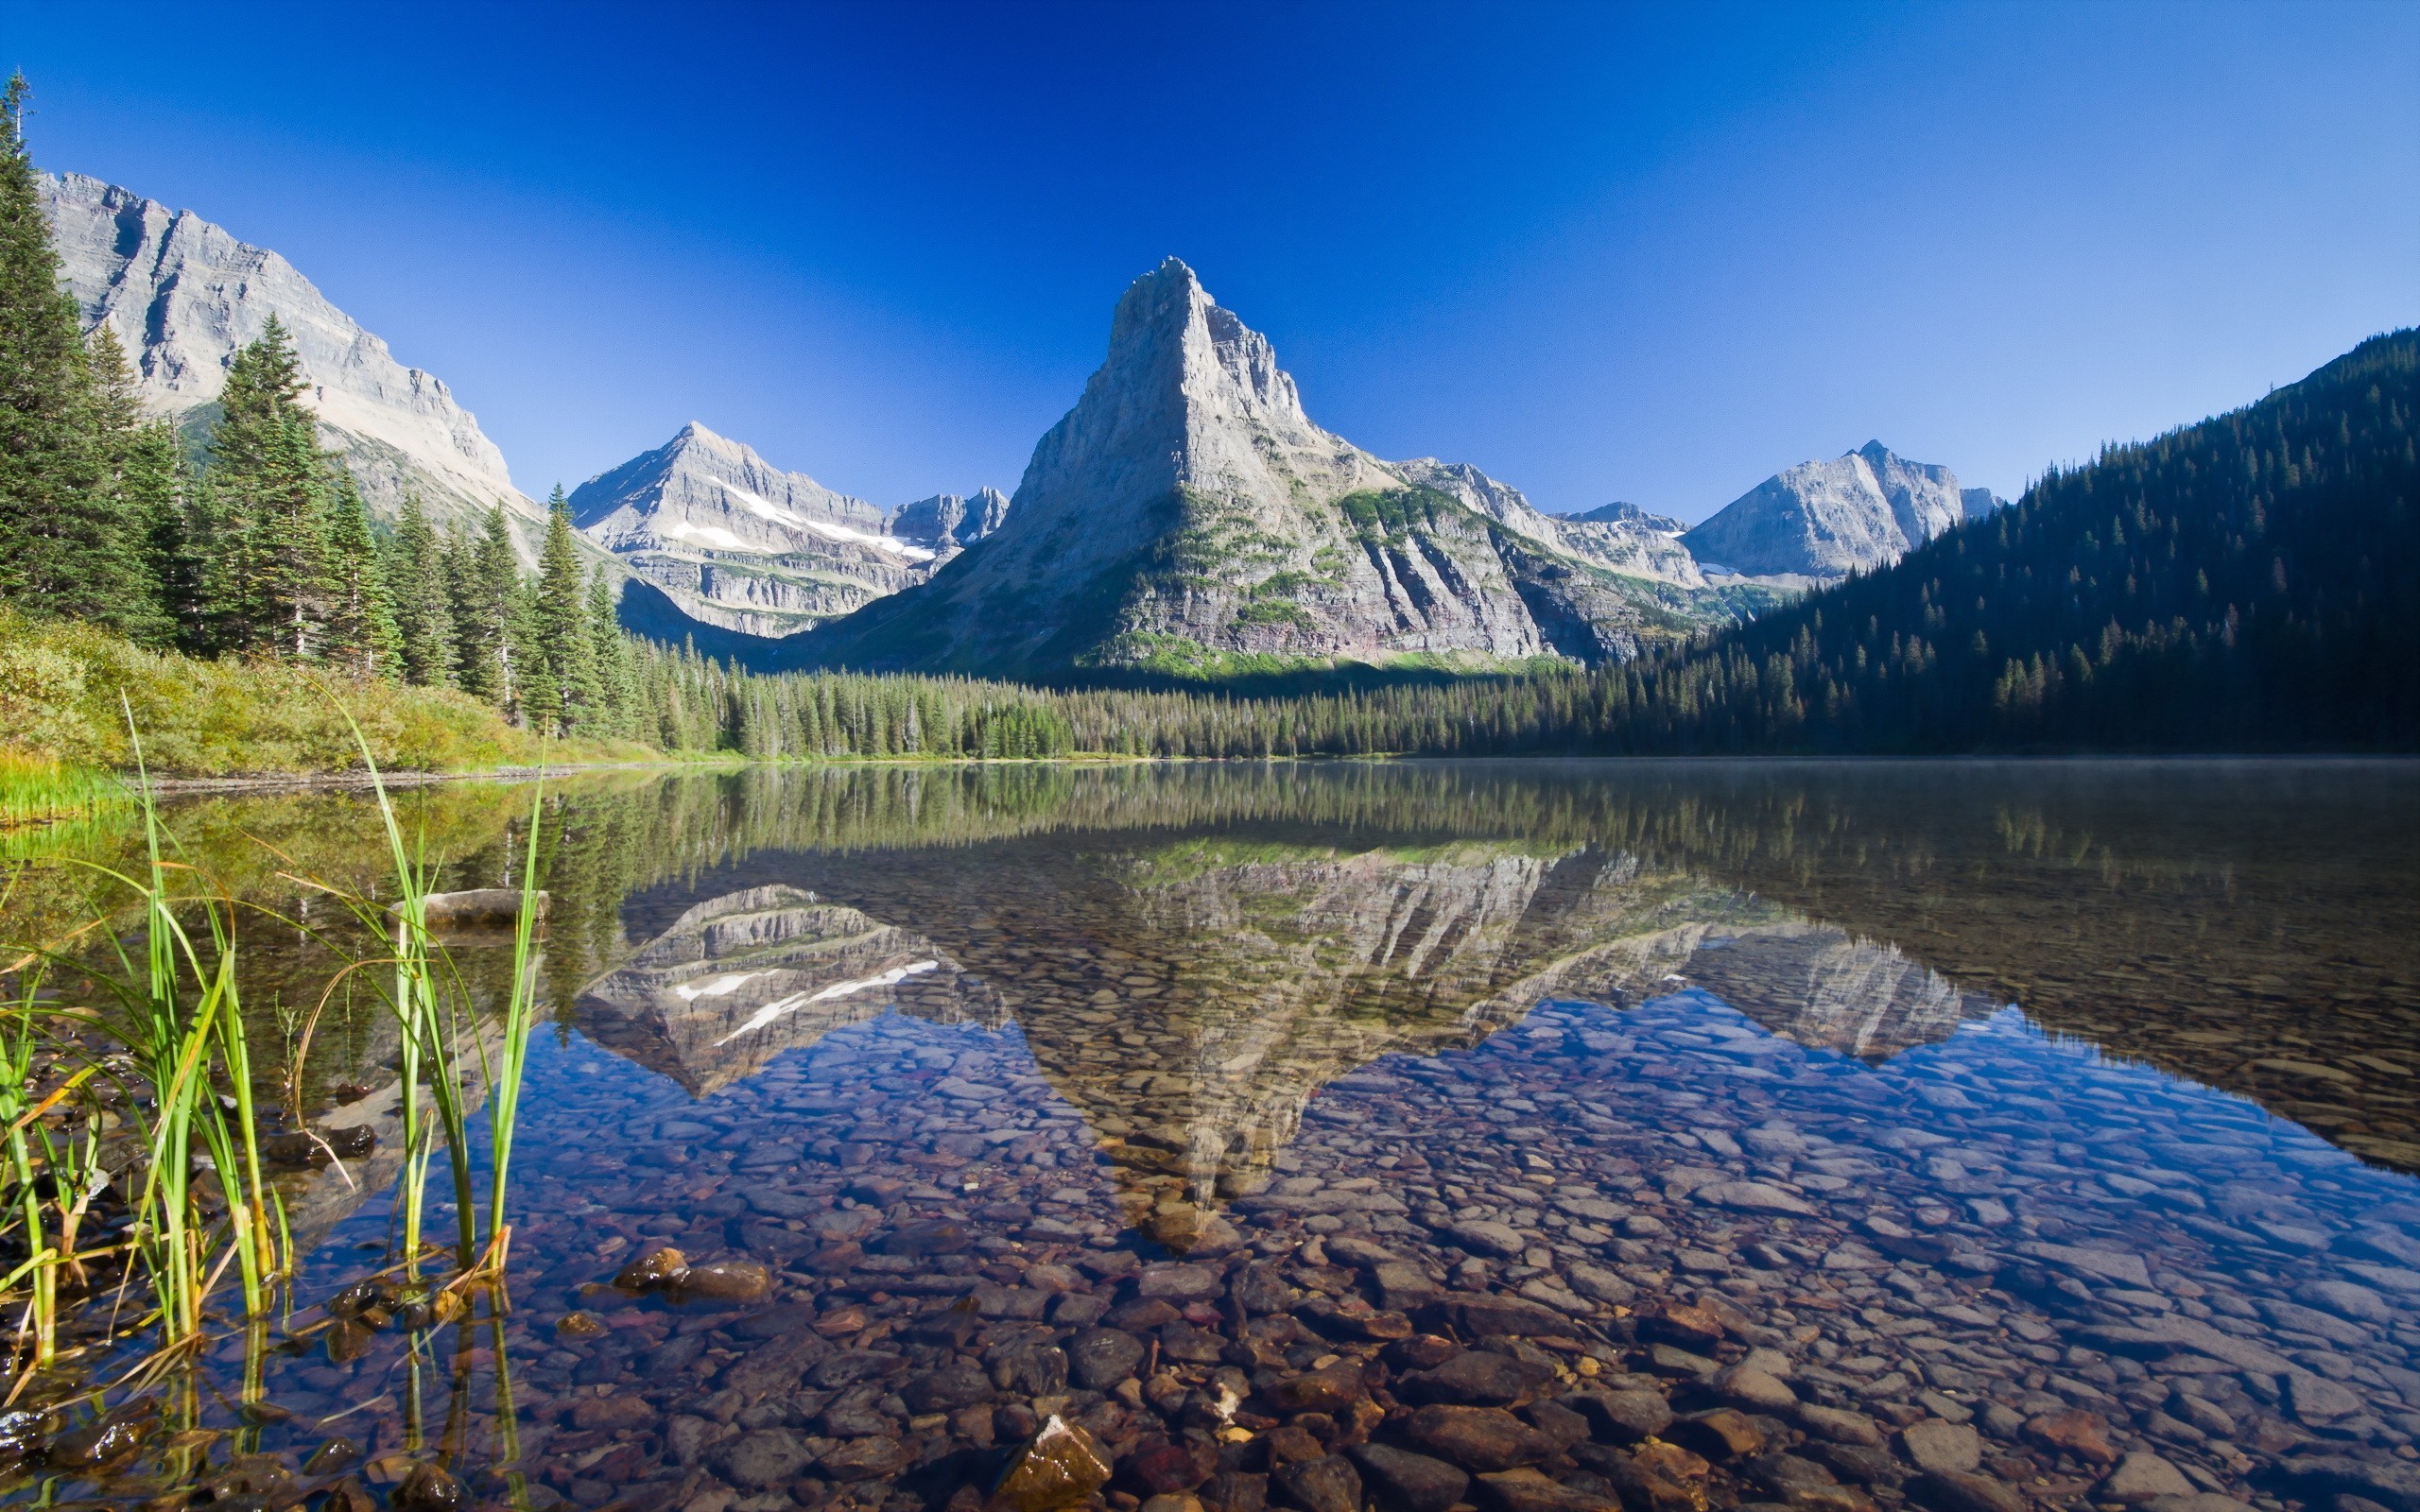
(2248, 583)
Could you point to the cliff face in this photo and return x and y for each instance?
(738, 542)
(1188, 511)
(182, 295)
(1826, 520)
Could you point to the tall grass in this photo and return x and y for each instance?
(201, 1204)
(34, 790)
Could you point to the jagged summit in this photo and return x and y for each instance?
(1861, 510)
(1186, 511)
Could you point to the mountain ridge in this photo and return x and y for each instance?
(184, 294)
(1188, 516)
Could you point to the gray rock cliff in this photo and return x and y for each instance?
(1822, 520)
(1188, 512)
(738, 542)
(182, 295)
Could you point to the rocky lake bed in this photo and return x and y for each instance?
(1218, 1169)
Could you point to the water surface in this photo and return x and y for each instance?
(2041, 1115)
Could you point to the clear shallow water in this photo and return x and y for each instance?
(1973, 1095)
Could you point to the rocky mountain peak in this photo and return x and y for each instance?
(1823, 520)
(182, 295)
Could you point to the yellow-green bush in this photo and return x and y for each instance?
(60, 684)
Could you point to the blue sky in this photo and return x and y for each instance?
(1603, 251)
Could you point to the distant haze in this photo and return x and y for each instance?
(1601, 252)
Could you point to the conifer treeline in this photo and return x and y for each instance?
(2248, 583)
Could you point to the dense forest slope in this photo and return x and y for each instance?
(2251, 582)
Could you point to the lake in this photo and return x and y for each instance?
(1539, 1136)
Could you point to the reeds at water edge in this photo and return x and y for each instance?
(166, 1113)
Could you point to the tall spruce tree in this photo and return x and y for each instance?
(617, 688)
(62, 546)
(486, 582)
(563, 667)
(139, 486)
(358, 633)
(416, 581)
(270, 580)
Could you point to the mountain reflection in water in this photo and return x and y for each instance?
(1190, 998)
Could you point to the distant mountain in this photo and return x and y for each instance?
(2250, 582)
(1188, 516)
(737, 543)
(1822, 520)
(1619, 513)
(182, 295)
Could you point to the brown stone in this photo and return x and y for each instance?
(864, 1459)
(1157, 1467)
(1476, 1438)
(1724, 1434)
(727, 1281)
(1318, 1390)
(1526, 1490)
(1327, 1484)
(1670, 1461)
(1683, 1323)
(612, 1412)
(2085, 1434)
(657, 1267)
(1062, 1465)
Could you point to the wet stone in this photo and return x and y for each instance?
(2085, 1434)
(1099, 1358)
(727, 1281)
(1476, 1438)
(1323, 1390)
(1526, 1490)
(1327, 1484)
(1719, 1434)
(1179, 1283)
(1476, 1377)
(1961, 1492)
(657, 1267)
(2141, 1476)
(1404, 1482)
(429, 1488)
(947, 1389)
(1623, 1417)
(1935, 1445)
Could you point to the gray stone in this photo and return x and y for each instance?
(761, 1458)
(2141, 1476)
(1405, 1482)
(1936, 1445)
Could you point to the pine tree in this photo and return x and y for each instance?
(61, 547)
(360, 630)
(139, 487)
(160, 507)
(616, 668)
(486, 611)
(270, 580)
(417, 580)
(562, 669)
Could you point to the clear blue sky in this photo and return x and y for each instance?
(1644, 253)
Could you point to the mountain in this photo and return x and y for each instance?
(1823, 521)
(182, 295)
(2250, 582)
(1626, 546)
(1187, 517)
(1619, 513)
(736, 544)
(949, 522)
